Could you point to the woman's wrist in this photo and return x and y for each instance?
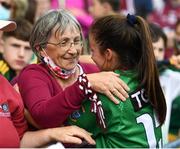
(48, 135)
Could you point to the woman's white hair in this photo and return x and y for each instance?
(42, 30)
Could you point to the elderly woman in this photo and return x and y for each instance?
(53, 89)
(13, 124)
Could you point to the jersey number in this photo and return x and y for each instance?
(147, 122)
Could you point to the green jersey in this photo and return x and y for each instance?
(129, 124)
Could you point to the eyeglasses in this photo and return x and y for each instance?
(65, 45)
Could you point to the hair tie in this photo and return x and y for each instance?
(131, 19)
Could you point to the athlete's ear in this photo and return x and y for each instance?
(109, 54)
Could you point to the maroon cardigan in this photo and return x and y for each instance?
(48, 104)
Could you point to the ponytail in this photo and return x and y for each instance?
(148, 72)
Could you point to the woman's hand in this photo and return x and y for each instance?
(110, 84)
(70, 134)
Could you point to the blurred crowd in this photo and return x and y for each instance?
(163, 17)
(164, 13)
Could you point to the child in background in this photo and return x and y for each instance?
(16, 51)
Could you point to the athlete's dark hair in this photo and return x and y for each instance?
(130, 38)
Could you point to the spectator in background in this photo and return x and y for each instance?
(16, 51)
(101, 8)
(159, 39)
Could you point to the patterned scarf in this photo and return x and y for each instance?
(96, 105)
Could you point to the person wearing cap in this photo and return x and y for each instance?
(16, 51)
(13, 127)
(7, 26)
